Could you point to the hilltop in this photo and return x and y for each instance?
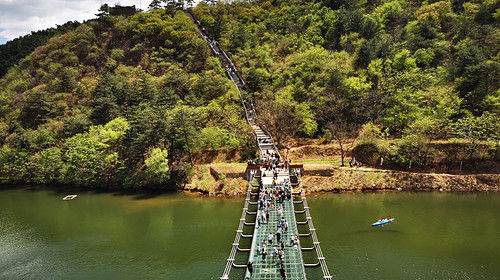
(13, 51)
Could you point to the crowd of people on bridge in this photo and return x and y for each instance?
(271, 200)
(271, 208)
(272, 161)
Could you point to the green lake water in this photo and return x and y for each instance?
(435, 235)
(182, 236)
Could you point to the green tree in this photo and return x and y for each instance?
(34, 140)
(37, 108)
(205, 87)
(92, 158)
(215, 21)
(173, 5)
(424, 57)
(182, 131)
(425, 130)
(69, 76)
(148, 128)
(403, 61)
(476, 129)
(156, 168)
(47, 165)
(104, 103)
(103, 10)
(78, 123)
(181, 138)
(238, 36)
(378, 47)
(410, 151)
(155, 4)
(14, 165)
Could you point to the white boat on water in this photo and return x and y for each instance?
(383, 222)
(69, 197)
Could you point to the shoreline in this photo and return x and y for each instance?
(370, 181)
(327, 180)
(323, 181)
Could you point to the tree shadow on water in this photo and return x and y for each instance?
(141, 194)
(378, 230)
(63, 190)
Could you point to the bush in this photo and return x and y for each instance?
(410, 151)
(494, 150)
(371, 146)
(157, 169)
(367, 153)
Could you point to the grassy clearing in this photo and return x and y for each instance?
(335, 164)
(315, 164)
(203, 181)
(228, 167)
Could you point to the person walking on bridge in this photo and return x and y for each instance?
(275, 254)
(283, 272)
(250, 268)
(282, 257)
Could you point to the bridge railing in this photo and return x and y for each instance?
(239, 233)
(264, 129)
(317, 246)
(230, 71)
(251, 116)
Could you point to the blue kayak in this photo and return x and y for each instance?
(382, 222)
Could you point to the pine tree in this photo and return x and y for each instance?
(155, 4)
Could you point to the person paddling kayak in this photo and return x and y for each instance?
(383, 221)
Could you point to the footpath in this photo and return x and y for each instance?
(275, 249)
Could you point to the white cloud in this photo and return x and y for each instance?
(21, 17)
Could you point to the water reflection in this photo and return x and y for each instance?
(126, 235)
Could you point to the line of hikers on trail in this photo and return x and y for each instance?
(219, 51)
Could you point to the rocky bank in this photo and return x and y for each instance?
(356, 180)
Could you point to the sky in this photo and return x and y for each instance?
(20, 17)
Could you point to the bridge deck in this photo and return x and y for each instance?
(293, 264)
(293, 261)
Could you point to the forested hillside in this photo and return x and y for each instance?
(395, 74)
(117, 102)
(19, 48)
(127, 101)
